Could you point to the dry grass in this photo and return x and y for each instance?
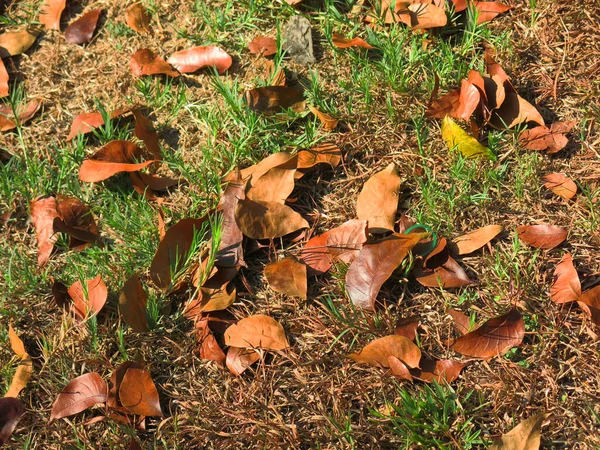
(312, 396)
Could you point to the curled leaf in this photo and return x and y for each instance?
(239, 359)
(114, 157)
(88, 301)
(377, 353)
(50, 13)
(192, 59)
(273, 99)
(82, 30)
(340, 41)
(146, 62)
(208, 347)
(566, 286)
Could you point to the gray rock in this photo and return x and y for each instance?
(298, 40)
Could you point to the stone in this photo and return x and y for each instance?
(298, 40)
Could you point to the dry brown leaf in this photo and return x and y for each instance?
(145, 132)
(263, 45)
(377, 353)
(288, 277)
(462, 322)
(476, 239)
(3, 80)
(399, 369)
(231, 253)
(132, 304)
(267, 220)
(552, 139)
(11, 411)
(272, 99)
(82, 30)
(525, 436)
(448, 275)
(214, 295)
(208, 346)
(340, 41)
(420, 16)
(43, 212)
(146, 62)
(326, 154)
(407, 327)
(87, 122)
(89, 301)
(14, 43)
(378, 200)
(137, 18)
(542, 235)
(487, 11)
(239, 359)
(76, 220)
(283, 160)
(438, 370)
(566, 286)
(561, 185)
(138, 394)
(257, 331)
(50, 13)
(25, 367)
(329, 123)
(494, 338)
(112, 158)
(7, 116)
(275, 185)
(192, 59)
(80, 394)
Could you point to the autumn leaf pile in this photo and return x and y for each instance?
(200, 261)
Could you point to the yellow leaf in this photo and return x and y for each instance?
(457, 138)
(25, 369)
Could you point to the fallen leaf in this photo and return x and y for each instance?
(399, 369)
(147, 184)
(329, 122)
(341, 243)
(263, 45)
(267, 220)
(321, 154)
(11, 411)
(446, 105)
(566, 286)
(192, 59)
(50, 13)
(288, 277)
(542, 235)
(14, 43)
(43, 213)
(134, 445)
(494, 338)
(145, 132)
(487, 11)
(514, 111)
(420, 16)
(456, 138)
(3, 80)
(173, 250)
(407, 327)
(437, 370)
(274, 75)
(25, 367)
(7, 116)
(231, 253)
(89, 301)
(552, 139)
(258, 331)
(282, 160)
(274, 186)
(374, 264)
(132, 304)
(239, 359)
(76, 220)
(208, 347)
(137, 18)
(138, 393)
(112, 158)
(273, 99)
(87, 122)
(468, 101)
(561, 185)
(476, 239)
(340, 41)
(525, 436)
(146, 62)
(462, 322)
(448, 275)
(214, 295)
(82, 30)
(80, 394)
(377, 353)
(378, 200)
(589, 302)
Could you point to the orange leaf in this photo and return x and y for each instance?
(145, 132)
(407, 327)
(25, 367)
(439, 370)
(377, 353)
(146, 62)
(267, 220)
(447, 276)
(288, 277)
(561, 185)
(43, 213)
(80, 394)
(239, 359)
(275, 185)
(378, 200)
(82, 30)
(91, 301)
(326, 153)
(3, 80)
(192, 59)
(273, 99)
(50, 13)
(542, 235)
(487, 11)
(113, 158)
(137, 18)
(566, 286)
(329, 123)
(341, 42)
(263, 45)
(87, 122)
(138, 393)
(208, 348)
(420, 16)
(257, 331)
(76, 220)
(476, 239)
(132, 304)
(7, 120)
(14, 43)
(494, 338)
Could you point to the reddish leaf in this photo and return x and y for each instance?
(468, 101)
(326, 153)
(87, 122)
(329, 122)
(208, 347)
(342, 243)
(113, 158)
(14, 43)
(420, 16)
(138, 393)
(3, 80)
(487, 11)
(446, 105)
(374, 264)
(80, 394)
(239, 359)
(90, 301)
(146, 62)
(447, 276)
(552, 139)
(146, 184)
(377, 353)
(215, 295)
(590, 303)
(514, 110)
(145, 132)
(76, 220)
(272, 99)
(399, 369)
(438, 370)
(494, 338)
(43, 213)
(288, 277)
(542, 235)
(566, 286)
(462, 322)
(257, 331)
(230, 252)
(82, 30)
(340, 41)
(267, 220)
(50, 13)
(173, 251)
(7, 117)
(378, 200)
(192, 59)
(134, 445)
(132, 304)
(137, 18)
(263, 45)
(11, 411)
(561, 185)
(476, 239)
(407, 327)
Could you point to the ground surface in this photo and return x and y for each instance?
(311, 396)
